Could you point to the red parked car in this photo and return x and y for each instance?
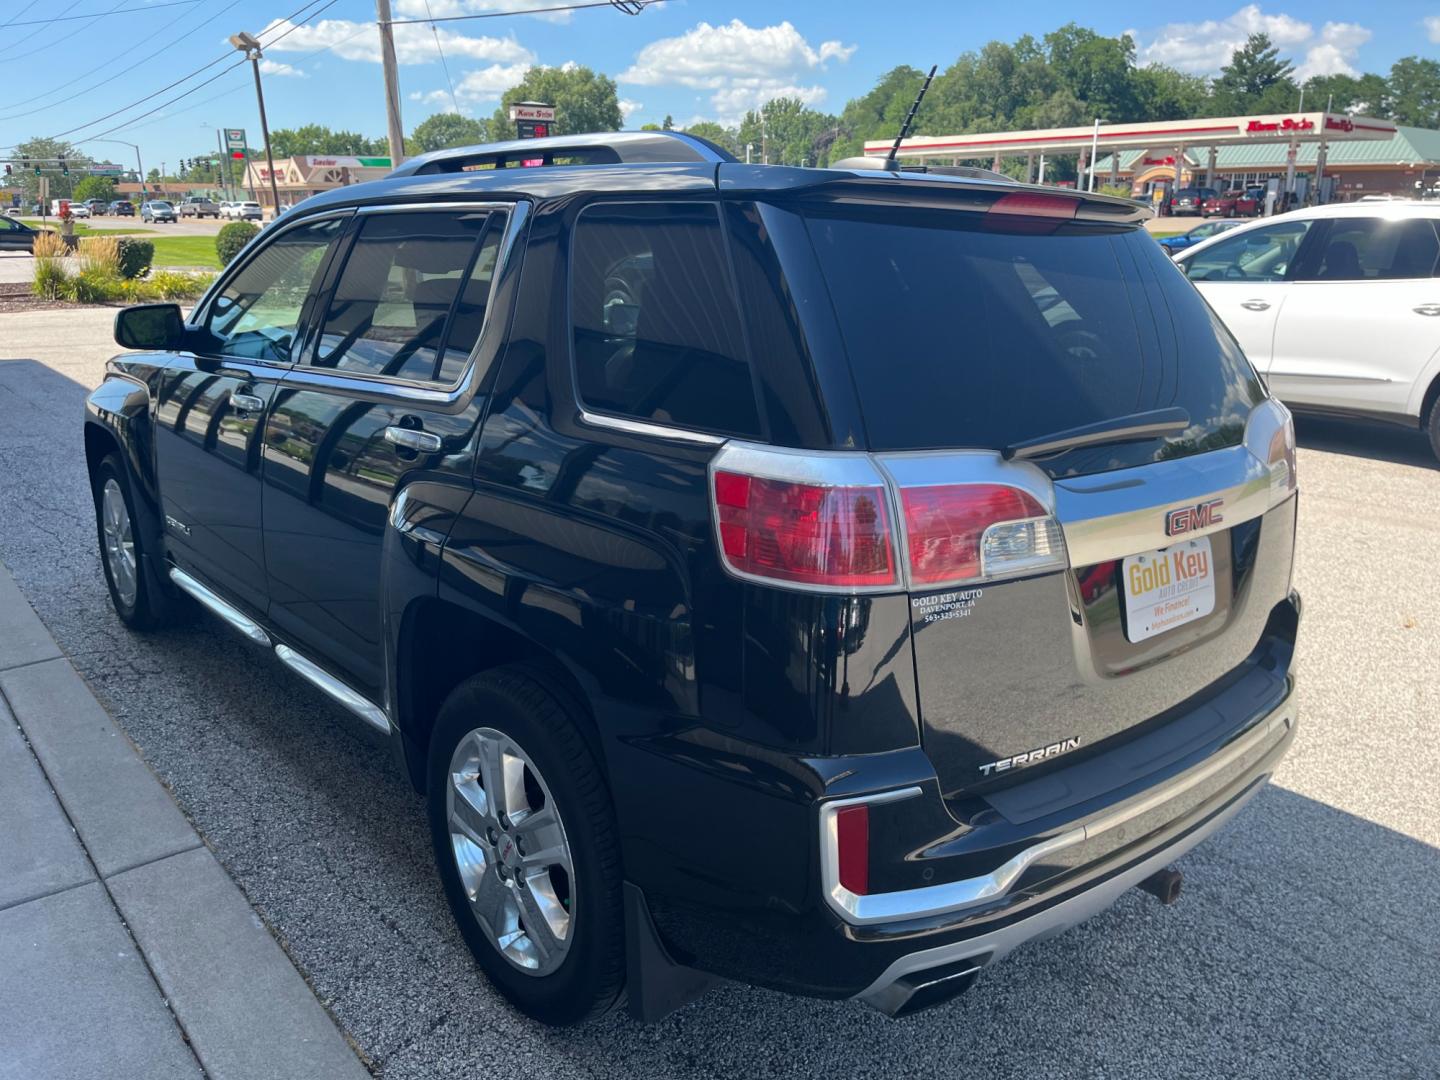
(1237, 202)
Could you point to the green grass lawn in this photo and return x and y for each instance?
(82, 229)
(185, 251)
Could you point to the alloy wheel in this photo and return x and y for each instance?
(119, 542)
(511, 851)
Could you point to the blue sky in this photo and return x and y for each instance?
(693, 59)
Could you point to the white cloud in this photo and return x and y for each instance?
(742, 66)
(629, 108)
(1335, 52)
(440, 9)
(1203, 48)
(414, 44)
(483, 86)
(1432, 28)
(275, 67)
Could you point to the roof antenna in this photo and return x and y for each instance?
(890, 162)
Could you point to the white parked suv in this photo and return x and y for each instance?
(241, 211)
(1339, 306)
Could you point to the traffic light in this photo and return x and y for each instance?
(7, 170)
(64, 167)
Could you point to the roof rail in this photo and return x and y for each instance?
(599, 148)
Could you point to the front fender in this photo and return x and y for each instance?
(119, 416)
(1428, 374)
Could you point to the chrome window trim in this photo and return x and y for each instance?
(644, 427)
(410, 391)
(955, 896)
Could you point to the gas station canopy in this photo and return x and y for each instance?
(1171, 135)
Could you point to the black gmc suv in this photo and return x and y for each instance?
(828, 579)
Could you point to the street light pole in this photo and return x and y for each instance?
(250, 46)
(139, 169)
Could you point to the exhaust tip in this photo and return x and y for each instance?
(1164, 885)
(923, 990)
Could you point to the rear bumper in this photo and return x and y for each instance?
(979, 931)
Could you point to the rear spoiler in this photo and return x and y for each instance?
(937, 190)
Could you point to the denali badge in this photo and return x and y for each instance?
(1189, 518)
(1030, 757)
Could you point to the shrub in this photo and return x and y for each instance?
(49, 245)
(92, 285)
(51, 282)
(233, 237)
(169, 285)
(135, 256)
(100, 254)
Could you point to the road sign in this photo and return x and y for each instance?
(235, 138)
(532, 110)
(105, 169)
(532, 129)
(44, 189)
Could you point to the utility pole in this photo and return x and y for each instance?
(250, 46)
(394, 130)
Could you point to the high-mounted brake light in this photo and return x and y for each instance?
(957, 533)
(808, 534)
(1032, 204)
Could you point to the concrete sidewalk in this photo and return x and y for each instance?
(125, 949)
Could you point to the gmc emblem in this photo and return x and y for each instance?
(1190, 518)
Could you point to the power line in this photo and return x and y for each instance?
(33, 33)
(186, 93)
(443, 65)
(191, 75)
(629, 7)
(170, 44)
(11, 20)
(116, 10)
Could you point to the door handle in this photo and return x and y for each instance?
(425, 442)
(1428, 309)
(243, 402)
(1255, 305)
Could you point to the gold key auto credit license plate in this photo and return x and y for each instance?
(1168, 588)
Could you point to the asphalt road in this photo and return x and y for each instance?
(1304, 945)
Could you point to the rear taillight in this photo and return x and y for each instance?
(809, 534)
(1281, 460)
(848, 522)
(965, 532)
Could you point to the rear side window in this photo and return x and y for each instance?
(405, 276)
(1263, 254)
(655, 321)
(1369, 249)
(962, 337)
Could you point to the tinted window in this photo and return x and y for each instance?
(257, 314)
(1364, 249)
(960, 337)
(1263, 254)
(656, 324)
(393, 300)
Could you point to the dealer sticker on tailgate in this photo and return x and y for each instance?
(1168, 588)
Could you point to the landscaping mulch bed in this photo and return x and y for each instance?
(16, 296)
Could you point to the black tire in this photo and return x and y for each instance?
(151, 606)
(1432, 427)
(515, 701)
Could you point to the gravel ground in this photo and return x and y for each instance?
(1304, 945)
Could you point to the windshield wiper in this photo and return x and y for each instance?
(1129, 428)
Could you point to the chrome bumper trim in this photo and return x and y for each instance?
(213, 603)
(1053, 920)
(956, 896)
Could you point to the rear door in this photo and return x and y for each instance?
(967, 338)
(383, 395)
(212, 401)
(1362, 318)
(1246, 279)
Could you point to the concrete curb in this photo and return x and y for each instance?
(125, 948)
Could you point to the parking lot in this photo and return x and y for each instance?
(1304, 944)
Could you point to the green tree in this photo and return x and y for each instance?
(319, 139)
(1162, 93)
(721, 136)
(584, 101)
(1257, 79)
(878, 113)
(1098, 71)
(1413, 96)
(787, 132)
(669, 124)
(46, 152)
(443, 131)
(94, 187)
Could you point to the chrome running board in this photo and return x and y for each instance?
(209, 600)
(312, 673)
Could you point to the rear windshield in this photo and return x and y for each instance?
(961, 337)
